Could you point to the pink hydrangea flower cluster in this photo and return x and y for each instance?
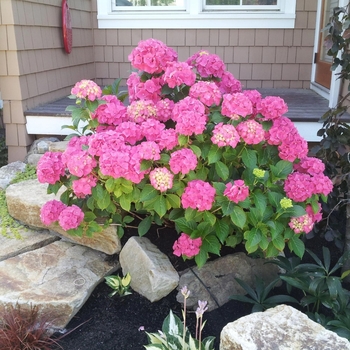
(164, 109)
(148, 90)
(225, 135)
(139, 111)
(83, 186)
(183, 161)
(251, 132)
(113, 112)
(152, 56)
(305, 223)
(272, 107)
(207, 64)
(50, 167)
(50, 211)
(229, 84)
(310, 165)
(236, 106)
(198, 195)
(179, 73)
(207, 92)
(87, 89)
(187, 246)
(161, 179)
(236, 192)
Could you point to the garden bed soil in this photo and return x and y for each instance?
(106, 323)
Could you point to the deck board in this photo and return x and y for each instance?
(303, 105)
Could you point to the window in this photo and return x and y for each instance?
(174, 14)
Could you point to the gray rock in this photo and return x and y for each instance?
(280, 328)
(34, 158)
(43, 146)
(215, 281)
(24, 201)
(60, 146)
(58, 278)
(29, 240)
(8, 173)
(40, 146)
(152, 274)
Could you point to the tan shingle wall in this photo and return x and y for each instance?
(34, 68)
(258, 57)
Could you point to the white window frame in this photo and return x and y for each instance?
(196, 16)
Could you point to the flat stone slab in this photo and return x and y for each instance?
(24, 201)
(8, 173)
(29, 240)
(58, 278)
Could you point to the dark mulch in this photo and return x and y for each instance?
(106, 323)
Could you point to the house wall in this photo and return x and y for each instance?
(34, 68)
(260, 58)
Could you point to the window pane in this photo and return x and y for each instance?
(259, 2)
(222, 2)
(149, 2)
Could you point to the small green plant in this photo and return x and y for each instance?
(175, 335)
(259, 297)
(121, 285)
(3, 151)
(29, 173)
(9, 227)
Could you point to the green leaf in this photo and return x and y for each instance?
(220, 187)
(196, 150)
(275, 198)
(211, 244)
(148, 193)
(183, 139)
(104, 200)
(279, 243)
(260, 201)
(209, 217)
(125, 202)
(89, 216)
(214, 154)
(173, 200)
(222, 230)
(217, 118)
(249, 158)
(54, 188)
(222, 170)
(160, 206)
(183, 225)
(190, 214)
(201, 258)
(282, 169)
(253, 236)
(110, 184)
(297, 246)
(238, 216)
(145, 164)
(144, 226)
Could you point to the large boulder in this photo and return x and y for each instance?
(280, 328)
(24, 201)
(152, 274)
(215, 281)
(8, 173)
(58, 278)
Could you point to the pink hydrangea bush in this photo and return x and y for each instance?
(192, 150)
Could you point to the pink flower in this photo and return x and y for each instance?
(131, 132)
(254, 97)
(207, 64)
(161, 179)
(272, 107)
(164, 109)
(316, 217)
(187, 246)
(229, 84)
(190, 116)
(82, 187)
(115, 163)
(310, 165)
(148, 90)
(298, 187)
(293, 146)
(236, 106)
(50, 167)
(79, 163)
(152, 129)
(207, 92)
(236, 192)
(225, 135)
(280, 128)
(139, 111)
(301, 224)
(152, 56)
(198, 195)
(112, 113)
(251, 132)
(322, 184)
(86, 89)
(148, 150)
(50, 211)
(70, 217)
(179, 73)
(168, 139)
(183, 161)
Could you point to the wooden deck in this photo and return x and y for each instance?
(305, 108)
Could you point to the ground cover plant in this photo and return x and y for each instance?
(191, 151)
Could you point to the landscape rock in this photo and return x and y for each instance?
(8, 173)
(40, 146)
(58, 278)
(29, 240)
(215, 281)
(280, 328)
(24, 201)
(152, 274)
(60, 146)
(34, 158)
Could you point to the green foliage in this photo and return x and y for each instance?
(3, 151)
(259, 296)
(29, 173)
(120, 285)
